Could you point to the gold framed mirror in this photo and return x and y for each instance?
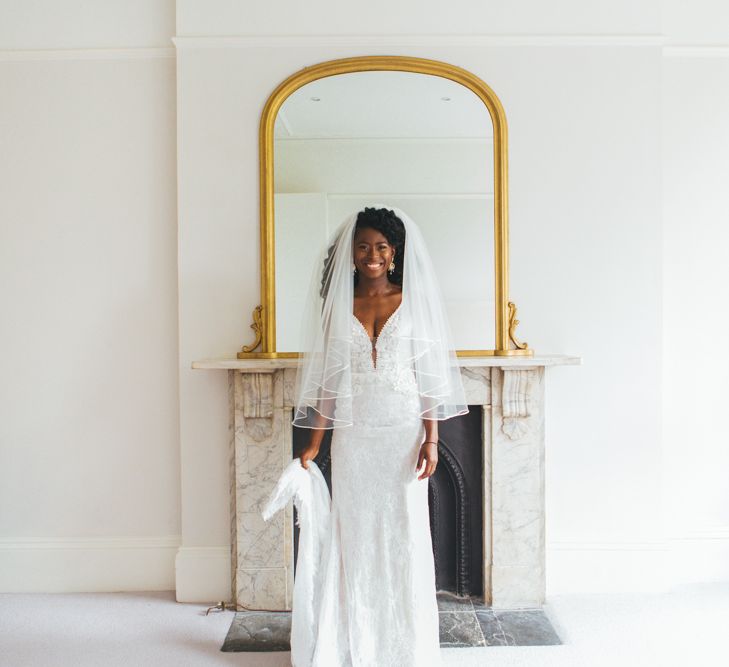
(452, 82)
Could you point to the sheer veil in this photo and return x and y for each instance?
(323, 389)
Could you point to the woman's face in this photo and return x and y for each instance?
(372, 252)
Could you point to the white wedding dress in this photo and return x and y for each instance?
(378, 604)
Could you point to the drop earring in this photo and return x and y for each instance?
(391, 267)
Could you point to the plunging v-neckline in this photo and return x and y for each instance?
(387, 321)
(377, 338)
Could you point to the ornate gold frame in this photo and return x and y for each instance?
(264, 316)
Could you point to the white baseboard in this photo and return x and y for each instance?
(605, 567)
(202, 574)
(632, 566)
(87, 565)
(701, 556)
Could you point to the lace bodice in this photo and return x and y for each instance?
(383, 367)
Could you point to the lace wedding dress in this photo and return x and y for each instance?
(378, 604)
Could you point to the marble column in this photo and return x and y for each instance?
(517, 572)
(262, 551)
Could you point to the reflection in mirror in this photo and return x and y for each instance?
(418, 142)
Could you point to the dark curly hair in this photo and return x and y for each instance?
(391, 227)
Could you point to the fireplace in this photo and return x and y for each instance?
(486, 498)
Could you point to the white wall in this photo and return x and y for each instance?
(700, 23)
(419, 17)
(83, 25)
(89, 454)
(696, 311)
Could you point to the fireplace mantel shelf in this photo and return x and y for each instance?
(254, 364)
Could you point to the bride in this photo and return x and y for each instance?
(379, 369)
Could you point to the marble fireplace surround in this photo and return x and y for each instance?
(509, 390)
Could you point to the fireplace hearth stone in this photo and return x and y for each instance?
(464, 622)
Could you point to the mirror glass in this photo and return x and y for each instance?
(419, 142)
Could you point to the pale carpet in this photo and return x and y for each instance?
(687, 627)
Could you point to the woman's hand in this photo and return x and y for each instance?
(429, 454)
(312, 449)
(309, 454)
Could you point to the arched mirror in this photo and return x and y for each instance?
(420, 135)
